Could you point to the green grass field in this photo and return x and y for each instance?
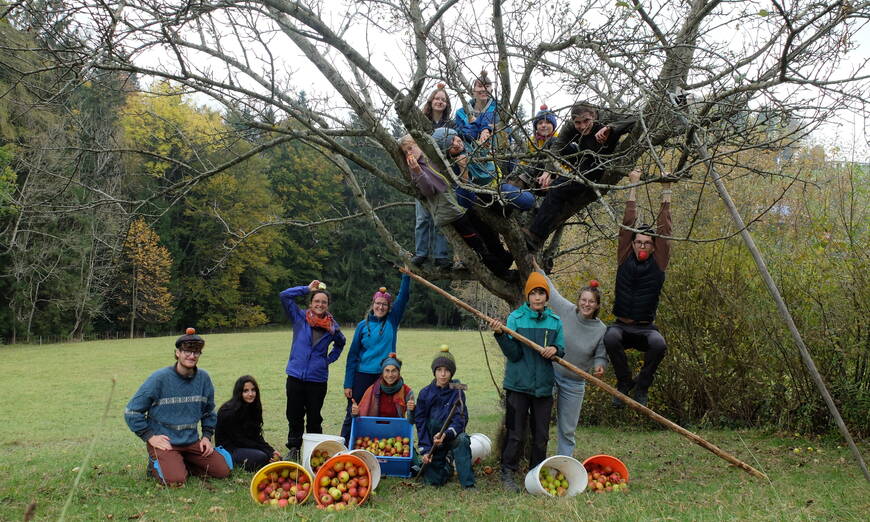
(52, 399)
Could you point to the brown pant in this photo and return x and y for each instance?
(175, 464)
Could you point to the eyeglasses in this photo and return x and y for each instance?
(191, 353)
(643, 244)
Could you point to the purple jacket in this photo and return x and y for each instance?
(308, 363)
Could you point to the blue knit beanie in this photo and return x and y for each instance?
(443, 136)
(545, 114)
(391, 360)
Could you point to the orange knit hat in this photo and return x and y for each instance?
(536, 280)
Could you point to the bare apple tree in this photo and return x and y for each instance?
(731, 76)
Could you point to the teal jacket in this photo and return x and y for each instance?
(526, 371)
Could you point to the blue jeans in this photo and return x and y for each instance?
(426, 233)
(569, 401)
(521, 199)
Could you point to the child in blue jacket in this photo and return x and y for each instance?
(307, 369)
(432, 409)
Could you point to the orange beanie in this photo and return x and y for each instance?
(536, 280)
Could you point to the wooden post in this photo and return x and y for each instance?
(599, 383)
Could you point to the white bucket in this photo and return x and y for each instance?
(371, 462)
(332, 444)
(481, 447)
(571, 468)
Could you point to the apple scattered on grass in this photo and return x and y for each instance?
(603, 479)
(283, 488)
(385, 447)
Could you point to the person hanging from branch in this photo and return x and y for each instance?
(439, 435)
(528, 376)
(582, 141)
(642, 259)
(440, 200)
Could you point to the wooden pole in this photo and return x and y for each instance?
(598, 382)
(783, 309)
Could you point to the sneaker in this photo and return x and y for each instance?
(507, 480)
(293, 454)
(443, 263)
(641, 396)
(418, 260)
(624, 389)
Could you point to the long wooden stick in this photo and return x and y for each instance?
(598, 382)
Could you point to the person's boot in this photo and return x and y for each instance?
(533, 242)
(507, 480)
(623, 388)
(444, 263)
(418, 260)
(641, 395)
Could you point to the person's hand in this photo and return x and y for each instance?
(602, 135)
(354, 408)
(160, 442)
(535, 263)
(549, 352)
(205, 446)
(314, 285)
(413, 165)
(438, 439)
(348, 392)
(462, 161)
(275, 457)
(496, 325)
(411, 404)
(599, 371)
(634, 176)
(427, 458)
(545, 179)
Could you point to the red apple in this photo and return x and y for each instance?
(343, 476)
(263, 497)
(326, 500)
(338, 466)
(362, 492)
(301, 494)
(345, 497)
(363, 481)
(353, 492)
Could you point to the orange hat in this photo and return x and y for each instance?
(536, 280)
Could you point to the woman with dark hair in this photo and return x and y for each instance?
(427, 237)
(240, 427)
(584, 348)
(373, 340)
(307, 369)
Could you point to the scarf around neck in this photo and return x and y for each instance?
(390, 390)
(326, 322)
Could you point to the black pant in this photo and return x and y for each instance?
(519, 407)
(645, 338)
(303, 398)
(252, 459)
(361, 383)
(484, 241)
(550, 214)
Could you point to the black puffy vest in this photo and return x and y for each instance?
(638, 286)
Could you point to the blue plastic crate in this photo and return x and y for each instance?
(384, 428)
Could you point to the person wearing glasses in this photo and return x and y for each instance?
(642, 260)
(166, 412)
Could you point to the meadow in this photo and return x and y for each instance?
(53, 399)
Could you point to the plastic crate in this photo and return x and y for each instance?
(385, 427)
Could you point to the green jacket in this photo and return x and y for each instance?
(526, 371)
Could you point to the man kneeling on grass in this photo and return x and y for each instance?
(434, 406)
(166, 411)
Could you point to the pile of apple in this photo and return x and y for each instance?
(554, 481)
(341, 486)
(604, 478)
(318, 457)
(389, 447)
(284, 487)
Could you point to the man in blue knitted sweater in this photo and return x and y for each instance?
(165, 413)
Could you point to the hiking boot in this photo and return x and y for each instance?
(623, 388)
(293, 454)
(533, 242)
(443, 263)
(418, 260)
(507, 480)
(547, 265)
(641, 395)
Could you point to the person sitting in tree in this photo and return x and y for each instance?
(439, 198)
(166, 411)
(538, 151)
(373, 341)
(582, 141)
(240, 426)
(641, 263)
(528, 376)
(433, 409)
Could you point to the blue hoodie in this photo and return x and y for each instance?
(375, 338)
(309, 363)
(435, 403)
(470, 131)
